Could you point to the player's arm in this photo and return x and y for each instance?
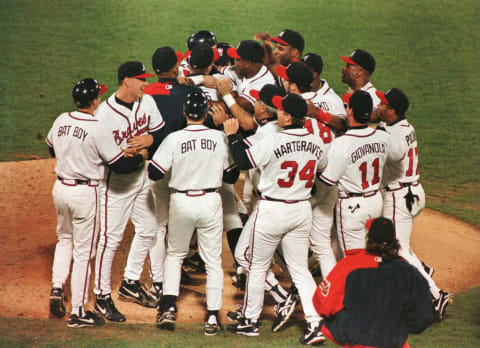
(337, 123)
(161, 161)
(230, 175)
(126, 165)
(240, 108)
(419, 313)
(50, 143)
(269, 58)
(238, 148)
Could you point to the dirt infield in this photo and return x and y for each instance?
(27, 243)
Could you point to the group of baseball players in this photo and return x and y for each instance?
(165, 155)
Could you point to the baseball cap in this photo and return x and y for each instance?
(314, 62)
(267, 93)
(361, 58)
(202, 56)
(294, 104)
(297, 72)
(132, 69)
(290, 37)
(223, 58)
(165, 58)
(396, 99)
(361, 104)
(381, 230)
(249, 50)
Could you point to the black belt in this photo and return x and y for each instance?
(358, 194)
(401, 185)
(77, 181)
(283, 200)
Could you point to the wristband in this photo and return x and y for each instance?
(197, 80)
(323, 116)
(229, 100)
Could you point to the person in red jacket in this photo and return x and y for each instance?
(374, 298)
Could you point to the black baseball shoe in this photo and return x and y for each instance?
(441, 303)
(166, 319)
(239, 280)
(57, 299)
(185, 279)
(156, 291)
(429, 270)
(236, 315)
(104, 305)
(134, 291)
(284, 311)
(313, 335)
(89, 319)
(245, 327)
(212, 325)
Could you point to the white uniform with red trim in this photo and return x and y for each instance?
(370, 89)
(325, 197)
(355, 165)
(125, 196)
(79, 169)
(400, 177)
(196, 156)
(245, 85)
(231, 73)
(288, 162)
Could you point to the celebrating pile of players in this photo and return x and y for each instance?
(329, 181)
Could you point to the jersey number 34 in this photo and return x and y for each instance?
(307, 173)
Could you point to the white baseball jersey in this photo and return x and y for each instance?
(356, 159)
(73, 137)
(262, 78)
(183, 68)
(231, 73)
(371, 90)
(288, 163)
(186, 152)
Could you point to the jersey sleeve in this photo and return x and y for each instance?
(49, 137)
(259, 153)
(336, 103)
(163, 158)
(396, 148)
(336, 164)
(109, 151)
(156, 119)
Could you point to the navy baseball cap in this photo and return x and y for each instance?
(202, 56)
(297, 72)
(361, 58)
(292, 38)
(314, 62)
(396, 99)
(381, 230)
(165, 58)
(249, 50)
(132, 69)
(267, 93)
(293, 104)
(362, 105)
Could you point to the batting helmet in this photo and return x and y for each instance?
(85, 91)
(224, 59)
(362, 105)
(202, 36)
(196, 105)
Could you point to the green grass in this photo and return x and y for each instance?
(431, 49)
(459, 329)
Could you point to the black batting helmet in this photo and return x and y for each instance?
(196, 105)
(85, 91)
(223, 58)
(202, 36)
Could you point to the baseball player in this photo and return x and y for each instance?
(357, 72)
(72, 140)
(288, 162)
(315, 63)
(403, 195)
(198, 159)
(131, 123)
(297, 78)
(253, 75)
(169, 95)
(200, 37)
(374, 298)
(223, 59)
(355, 165)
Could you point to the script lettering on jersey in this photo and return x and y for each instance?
(78, 132)
(119, 135)
(411, 138)
(297, 146)
(367, 149)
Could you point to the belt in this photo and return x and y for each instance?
(75, 182)
(400, 185)
(195, 193)
(283, 200)
(344, 194)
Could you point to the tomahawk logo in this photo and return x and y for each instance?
(325, 287)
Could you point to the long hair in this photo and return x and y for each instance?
(386, 251)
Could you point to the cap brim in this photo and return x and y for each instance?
(281, 71)
(369, 224)
(187, 54)
(382, 97)
(346, 97)
(280, 41)
(216, 54)
(277, 102)
(255, 94)
(348, 60)
(179, 56)
(103, 89)
(144, 76)
(233, 53)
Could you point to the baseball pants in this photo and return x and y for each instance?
(77, 231)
